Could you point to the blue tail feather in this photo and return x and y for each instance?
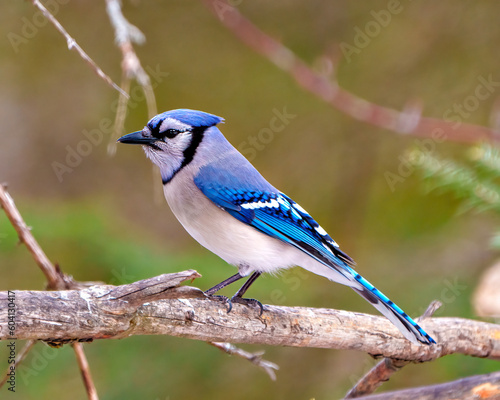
(405, 323)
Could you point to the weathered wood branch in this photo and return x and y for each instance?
(386, 367)
(58, 280)
(159, 306)
(473, 387)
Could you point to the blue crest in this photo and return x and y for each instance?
(193, 118)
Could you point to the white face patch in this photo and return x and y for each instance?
(180, 143)
(170, 123)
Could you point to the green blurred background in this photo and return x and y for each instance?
(103, 221)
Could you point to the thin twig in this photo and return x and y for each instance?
(384, 369)
(255, 358)
(72, 44)
(330, 91)
(55, 277)
(85, 371)
(121, 112)
(25, 236)
(125, 35)
(20, 357)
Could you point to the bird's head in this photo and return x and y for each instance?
(170, 139)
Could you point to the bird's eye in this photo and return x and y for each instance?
(171, 133)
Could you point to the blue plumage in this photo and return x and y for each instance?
(222, 200)
(398, 312)
(192, 118)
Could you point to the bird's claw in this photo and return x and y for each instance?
(239, 300)
(222, 299)
(248, 302)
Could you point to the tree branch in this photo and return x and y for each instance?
(407, 122)
(473, 387)
(55, 280)
(125, 35)
(58, 280)
(72, 44)
(383, 371)
(159, 306)
(25, 236)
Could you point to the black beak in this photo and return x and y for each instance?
(136, 138)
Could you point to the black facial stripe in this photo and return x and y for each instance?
(196, 138)
(155, 131)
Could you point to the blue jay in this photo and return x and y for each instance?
(229, 208)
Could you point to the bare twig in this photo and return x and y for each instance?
(55, 277)
(379, 374)
(125, 35)
(473, 387)
(382, 372)
(255, 358)
(23, 231)
(72, 44)
(85, 371)
(20, 357)
(429, 312)
(330, 91)
(121, 113)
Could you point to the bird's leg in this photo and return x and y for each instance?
(210, 292)
(238, 297)
(223, 284)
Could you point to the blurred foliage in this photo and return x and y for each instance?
(100, 222)
(476, 184)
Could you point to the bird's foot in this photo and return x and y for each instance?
(248, 302)
(222, 299)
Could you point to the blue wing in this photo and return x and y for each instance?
(274, 214)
